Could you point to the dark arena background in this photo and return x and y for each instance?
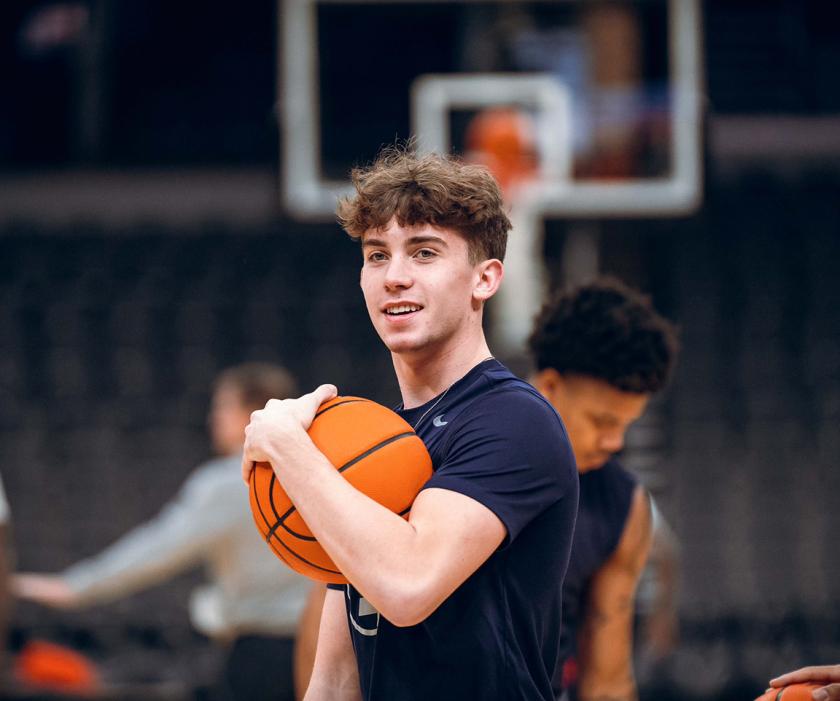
(167, 172)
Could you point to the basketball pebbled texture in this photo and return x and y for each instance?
(373, 448)
(792, 692)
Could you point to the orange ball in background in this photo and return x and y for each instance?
(373, 448)
(791, 692)
(44, 665)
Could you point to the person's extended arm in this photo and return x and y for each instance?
(824, 674)
(335, 676)
(605, 641)
(169, 543)
(405, 569)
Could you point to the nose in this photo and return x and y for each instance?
(612, 441)
(397, 274)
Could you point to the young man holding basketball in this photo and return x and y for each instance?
(461, 600)
(601, 351)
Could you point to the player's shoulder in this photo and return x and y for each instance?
(513, 410)
(500, 387)
(519, 402)
(495, 405)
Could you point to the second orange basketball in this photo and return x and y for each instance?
(373, 448)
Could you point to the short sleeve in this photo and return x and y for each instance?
(510, 452)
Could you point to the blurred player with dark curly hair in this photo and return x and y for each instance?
(601, 351)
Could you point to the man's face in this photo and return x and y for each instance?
(227, 420)
(596, 414)
(421, 291)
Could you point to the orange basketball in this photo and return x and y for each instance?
(792, 692)
(373, 448)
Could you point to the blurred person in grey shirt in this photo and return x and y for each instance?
(252, 603)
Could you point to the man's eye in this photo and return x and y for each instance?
(426, 253)
(376, 256)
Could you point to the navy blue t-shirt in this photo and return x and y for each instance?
(495, 439)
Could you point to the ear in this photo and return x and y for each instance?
(548, 382)
(490, 273)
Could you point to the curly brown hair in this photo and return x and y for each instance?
(430, 189)
(609, 331)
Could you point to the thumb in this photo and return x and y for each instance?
(324, 393)
(314, 400)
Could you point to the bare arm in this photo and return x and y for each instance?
(605, 641)
(173, 540)
(405, 569)
(335, 676)
(306, 639)
(44, 589)
(660, 627)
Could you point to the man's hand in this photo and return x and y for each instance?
(45, 589)
(277, 423)
(826, 674)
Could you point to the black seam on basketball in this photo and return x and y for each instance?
(265, 521)
(274, 542)
(387, 441)
(779, 695)
(271, 495)
(301, 558)
(405, 511)
(257, 499)
(281, 522)
(341, 403)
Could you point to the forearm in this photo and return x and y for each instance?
(374, 548)
(148, 554)
(613, 682)
(341, 689)
(605, 659)
(335, 675)
(605, 642)
(605, 639)
(609, 680)
(629, 695)
(306, 638)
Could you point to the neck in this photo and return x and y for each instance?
(423, 376)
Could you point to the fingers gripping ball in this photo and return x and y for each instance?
(374, 450)
(792, 692)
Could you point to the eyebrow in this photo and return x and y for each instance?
(605, 417)
(412, 241)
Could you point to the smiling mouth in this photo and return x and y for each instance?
(402, 309)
